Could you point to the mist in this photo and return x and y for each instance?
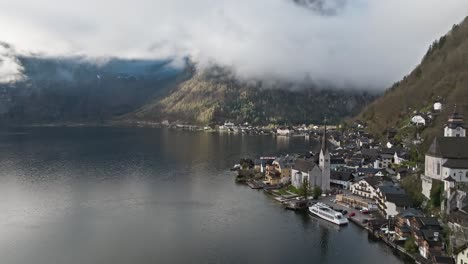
(359, 43)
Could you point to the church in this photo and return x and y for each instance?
(316, 171)
(447, 158)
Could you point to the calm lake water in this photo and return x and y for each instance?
(107, 195)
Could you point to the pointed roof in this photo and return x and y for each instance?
(324, 147)
(449, 147)
(455, 120)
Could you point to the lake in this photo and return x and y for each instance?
(115, 195)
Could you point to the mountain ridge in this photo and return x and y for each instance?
(441, 75)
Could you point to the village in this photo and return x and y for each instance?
(415, 203)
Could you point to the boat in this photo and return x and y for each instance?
(326, 212)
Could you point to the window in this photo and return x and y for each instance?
(438, 168)
(466, 175)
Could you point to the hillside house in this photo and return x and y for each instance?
(392, 200)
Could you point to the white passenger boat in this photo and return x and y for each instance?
(326, 212)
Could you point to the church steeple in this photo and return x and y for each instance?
(324, 147)
(455, 126)
(324, 161)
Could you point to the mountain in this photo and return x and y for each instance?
(74, 89)
(441, 75)
(215, 95)
(77, 90)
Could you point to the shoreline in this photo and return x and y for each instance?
(401, 253)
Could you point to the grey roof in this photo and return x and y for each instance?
(371, 153)
(449, 147)
(429, 221)
(341, 175)
(456, 163)
(372, 181)
(367, 170)
(444, 260)
(387, 156)
(304, 165)
(411, 212)
(400, 200)
(391, 189)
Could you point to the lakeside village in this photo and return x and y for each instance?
(420, 211)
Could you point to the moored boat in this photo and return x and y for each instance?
(326, 212)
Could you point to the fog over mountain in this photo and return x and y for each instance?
(359, 43)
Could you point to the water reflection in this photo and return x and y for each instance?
(153, 196)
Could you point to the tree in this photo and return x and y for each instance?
(436, 193)
(317, 192)
(305, 190)
(410, 245)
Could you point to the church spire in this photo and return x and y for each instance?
(324, 138)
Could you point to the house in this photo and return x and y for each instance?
(336, 163)
(365, 187)
(437, 108)
(399, 157)
(264, 162)
(447, 156)
(457, 208)
(418, 120)
(386, 158)
(429, 243)
(427, 234)
(402, 223)
(392, 200)
(362, 142)
(401, 173)
(341, 178)
(272, 176)
(461, 255)
(283, 131)
(284, 165)
(369, 172)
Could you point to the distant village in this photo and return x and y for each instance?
(378, 181)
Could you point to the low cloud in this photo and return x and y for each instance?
(10, 68)
(360, 43)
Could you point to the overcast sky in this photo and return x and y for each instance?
(365, 43)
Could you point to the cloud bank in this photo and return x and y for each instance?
(10, 68)
(363, 43)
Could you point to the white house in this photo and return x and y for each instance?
(461, 256)
(399, 158)
(437, 106)
(365, 187)
(392, 200)
(418, 120)
(283, 131)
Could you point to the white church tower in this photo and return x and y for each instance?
(455, 126)
(324, 162)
